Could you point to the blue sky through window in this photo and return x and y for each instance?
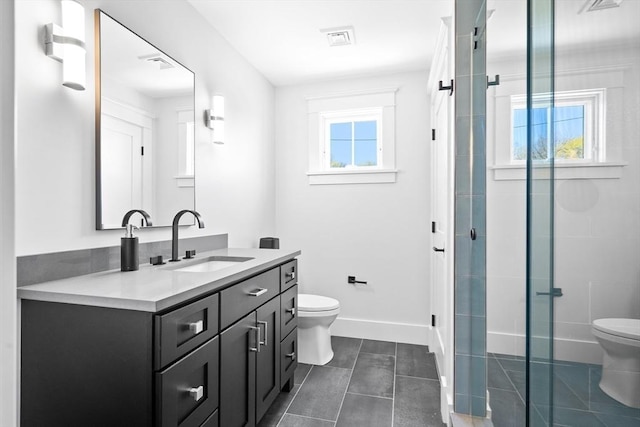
(358, 148)
(568, 133)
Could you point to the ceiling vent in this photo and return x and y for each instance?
(340, 36)
(594, 5)
(157, 58)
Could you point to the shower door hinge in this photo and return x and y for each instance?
(433, 320)
(433, 134)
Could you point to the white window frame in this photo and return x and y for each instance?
(352, 116)
(341, 107)
(593, 102)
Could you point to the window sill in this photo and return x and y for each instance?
(371, 176)
(608, 170)
(185, 180)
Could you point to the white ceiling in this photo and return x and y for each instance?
(282, 38)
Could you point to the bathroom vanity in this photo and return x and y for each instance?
(204, 342)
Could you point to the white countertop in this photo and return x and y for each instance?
(154, 287)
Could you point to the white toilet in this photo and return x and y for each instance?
(315, 315)
(620, 340)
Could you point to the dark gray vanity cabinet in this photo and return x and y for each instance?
(213, 360)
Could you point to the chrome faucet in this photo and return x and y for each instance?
(174, 231)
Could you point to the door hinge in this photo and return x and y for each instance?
(433, 320)
(433, 226)
(433, 134)
(142, 151)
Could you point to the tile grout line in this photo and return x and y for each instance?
(395, 369)
(348, 383)
(312, 418)
(504, 371)
(296, 394)
(369, 395)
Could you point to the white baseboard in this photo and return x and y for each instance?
(565, 349)
(382, 331)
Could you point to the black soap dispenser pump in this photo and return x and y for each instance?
(129, 250)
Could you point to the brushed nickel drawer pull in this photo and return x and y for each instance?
(290, 276)
(196, 327)
(292, 311)
(257, 292)
(291, 355)
(266, 332)
(196, 392)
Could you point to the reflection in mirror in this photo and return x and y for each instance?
(144, 128)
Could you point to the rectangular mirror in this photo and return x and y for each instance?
(144, 128)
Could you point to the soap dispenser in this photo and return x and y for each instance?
(129, 243)
(129, 250)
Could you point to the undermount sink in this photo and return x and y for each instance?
(208, 264)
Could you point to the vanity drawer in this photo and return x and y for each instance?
(187, 391)
(288, 356)
(288, 311)
(180, 331)
(288, 275)
(246, 296)
(212, 421)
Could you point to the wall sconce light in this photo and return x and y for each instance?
(214, 119)
(66, 44)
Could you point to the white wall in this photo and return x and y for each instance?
(55, 194)
(377, 232)
(8, 315)
(597, 221)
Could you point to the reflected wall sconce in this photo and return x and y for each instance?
(66, 44)
(214, 119)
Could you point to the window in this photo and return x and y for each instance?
(352, 141)
(352, 138)
(578, 124)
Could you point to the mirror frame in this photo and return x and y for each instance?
(98, 120)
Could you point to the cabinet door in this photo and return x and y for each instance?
(268, 359)
(238, 346)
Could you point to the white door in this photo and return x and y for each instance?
(120, 146)
(441, 257)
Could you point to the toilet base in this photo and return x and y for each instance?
(623, 384)
(314, 345)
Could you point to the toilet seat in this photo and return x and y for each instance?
(316, 303)
(624, 328)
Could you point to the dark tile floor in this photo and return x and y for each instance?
(366, 384)
(578, 400)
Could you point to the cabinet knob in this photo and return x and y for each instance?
(257, 292)
(196, 327)
(196, 392)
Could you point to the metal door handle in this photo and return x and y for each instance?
(438, 249)
(257, 292)
(266, 332)
(557, 292)
(196, 392)
(256, 349)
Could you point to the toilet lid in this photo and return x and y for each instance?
(308, 302)
(627, 328)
